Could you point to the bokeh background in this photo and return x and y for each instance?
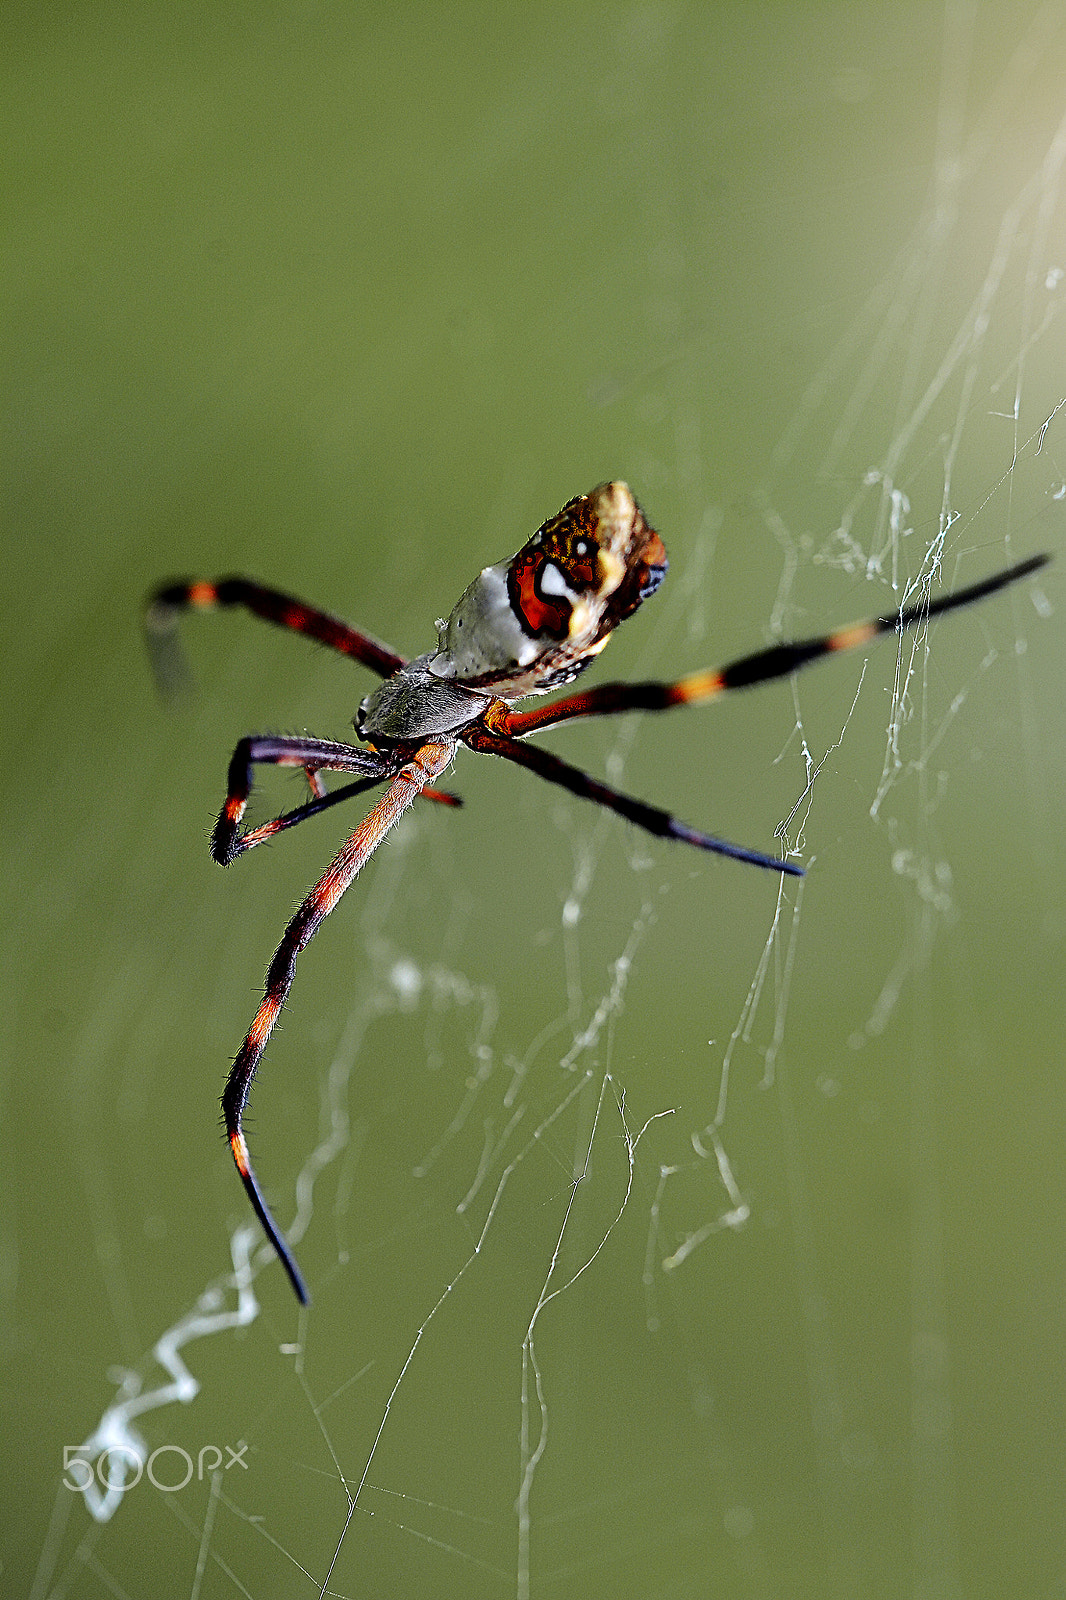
(352, 298)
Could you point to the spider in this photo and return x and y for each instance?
(524, 627)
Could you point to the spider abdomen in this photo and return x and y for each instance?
(527, 625)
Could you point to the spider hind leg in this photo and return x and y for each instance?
(430, 761)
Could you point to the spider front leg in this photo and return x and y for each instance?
(167, 603)
(427, 763)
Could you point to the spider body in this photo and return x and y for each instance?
(524, 627)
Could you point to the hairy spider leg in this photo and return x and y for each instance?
(656, 821)
(228, 841)
(325, 798)
(167, 602)
(428, 763)
(763, 666)
(315, 756)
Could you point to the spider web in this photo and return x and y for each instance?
(630, 1186)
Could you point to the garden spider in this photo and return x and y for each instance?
(525, 626)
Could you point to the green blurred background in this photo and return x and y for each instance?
(352, 298)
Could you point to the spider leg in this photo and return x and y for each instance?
(315, 756)
(167, 603)
(777, 661)
(427, 763)
(658, 822)
(324, 798)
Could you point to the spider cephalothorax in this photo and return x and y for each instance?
(523, 627)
